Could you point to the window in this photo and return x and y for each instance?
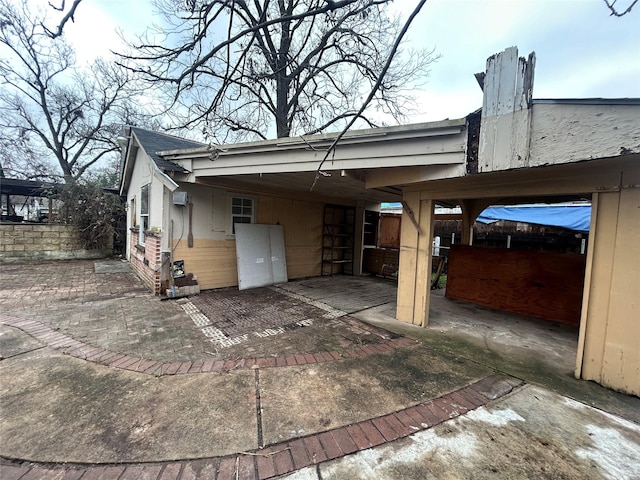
(144, 213)
(242, 211)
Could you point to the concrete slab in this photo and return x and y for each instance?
(495, 349)
(112, 266)
(347, 293)
(532, 433)
(14, 342)
(59, 409)
(300, 400)
(506, 332)
(500, 332)
(54, 408)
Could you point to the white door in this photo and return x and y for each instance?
(260, 254)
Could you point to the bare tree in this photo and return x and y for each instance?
(50, 108)
(254, 68)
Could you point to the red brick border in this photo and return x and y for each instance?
(291, 455)
(84, 351)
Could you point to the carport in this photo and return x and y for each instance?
(545, 150)
(17, 195)
(516, 149)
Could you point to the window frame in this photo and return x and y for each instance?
(243, 206)
(143, 217)
(133, 213)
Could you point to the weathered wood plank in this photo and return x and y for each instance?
(621, 368)
(408, 259)
(539, 284)
(390, 225)
(381, 261)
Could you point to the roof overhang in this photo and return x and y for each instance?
(335, 185)
(130, 155)
(27, 188)
(301, 164)
(129, 158)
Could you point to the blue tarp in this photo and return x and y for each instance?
(572, 217)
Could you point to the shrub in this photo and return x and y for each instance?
(93, 211)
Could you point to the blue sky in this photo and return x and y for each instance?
(581, 50)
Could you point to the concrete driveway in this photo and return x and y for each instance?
(311, 379)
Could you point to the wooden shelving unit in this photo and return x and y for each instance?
(371, 222)
(338, 232)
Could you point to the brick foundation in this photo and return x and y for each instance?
(147, 261)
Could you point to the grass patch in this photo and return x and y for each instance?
(442, 281)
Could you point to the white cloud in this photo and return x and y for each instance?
(581, 51)
(95, 32)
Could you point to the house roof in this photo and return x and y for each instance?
(322, 140)
(155, 142)
(587, 101)
(151, 143)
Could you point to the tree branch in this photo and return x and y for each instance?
(375, 88)
(69, 16)
(614, 11)
(57, 110)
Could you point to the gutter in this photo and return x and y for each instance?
(166, 180)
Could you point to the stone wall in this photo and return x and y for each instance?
(24, 241)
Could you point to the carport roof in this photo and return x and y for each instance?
(292, 164)
(319, 142)
(27, 188)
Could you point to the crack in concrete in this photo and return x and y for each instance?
(22, 353)
(259, 410)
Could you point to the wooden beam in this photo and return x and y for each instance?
(587, 286)
(471, 208)
(411, 216)
(423, 264)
